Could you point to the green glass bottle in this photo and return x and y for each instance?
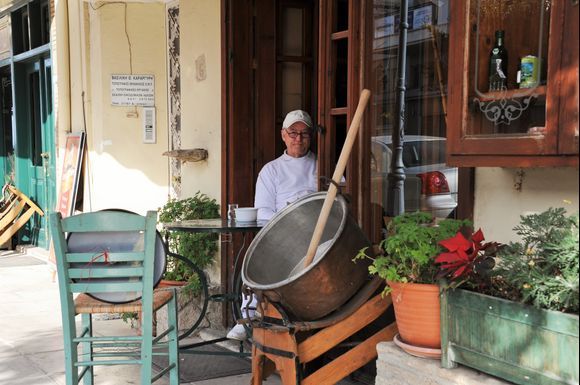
(498, 64)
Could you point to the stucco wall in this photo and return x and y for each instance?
(108, 38)
(503, 194)
(199, 23)
(123, 172)
(201, 94)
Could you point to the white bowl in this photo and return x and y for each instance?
(246, 214)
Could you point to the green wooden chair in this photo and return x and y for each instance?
(104, 271)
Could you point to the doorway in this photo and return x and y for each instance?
(269, 68)
(35, 163)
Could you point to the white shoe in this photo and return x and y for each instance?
(238, 332)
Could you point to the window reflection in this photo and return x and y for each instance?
(430, 185)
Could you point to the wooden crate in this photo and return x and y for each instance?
(509, 340)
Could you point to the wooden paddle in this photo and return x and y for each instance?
(337, 176)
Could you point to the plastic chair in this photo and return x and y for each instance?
(105, 271)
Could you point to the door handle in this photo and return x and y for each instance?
(45, 156)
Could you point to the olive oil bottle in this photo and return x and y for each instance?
(498, 64)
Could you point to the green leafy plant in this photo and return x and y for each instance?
(542, 269)
(200, 248)
(408, 252)
(130, 318)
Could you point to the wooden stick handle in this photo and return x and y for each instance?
(337, 176)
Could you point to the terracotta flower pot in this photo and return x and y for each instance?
(167, 283)
(418, 313)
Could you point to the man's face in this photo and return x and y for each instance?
(298, 146)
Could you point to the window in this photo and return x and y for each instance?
(31, 26)
(429, 185)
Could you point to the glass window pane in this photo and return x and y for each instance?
(341, 73)
(429, 185)
(507, 73)
(292, 20)
(35, 119)
(292, 83)
(341, 16)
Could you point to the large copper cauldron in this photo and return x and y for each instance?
(273, 265)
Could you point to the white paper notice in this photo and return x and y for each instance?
(132, 90)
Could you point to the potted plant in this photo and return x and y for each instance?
(407, 263)
(520, 321)
(200, 248)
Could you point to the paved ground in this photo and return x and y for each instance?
(31, 341)
(31, 344)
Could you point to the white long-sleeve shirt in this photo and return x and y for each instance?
(284, 180)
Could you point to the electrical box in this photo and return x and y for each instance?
(149, 130)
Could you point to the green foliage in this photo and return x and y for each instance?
(410, 248)
(542, 270)
(130, 318)
(199, 248)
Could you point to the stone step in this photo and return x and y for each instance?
(395, 367)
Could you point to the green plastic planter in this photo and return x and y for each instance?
(509, 340)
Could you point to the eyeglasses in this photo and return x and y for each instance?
(304, 134)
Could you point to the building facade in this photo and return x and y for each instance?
(222, 74)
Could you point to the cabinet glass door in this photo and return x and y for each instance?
(507, 74)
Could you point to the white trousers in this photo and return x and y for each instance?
(249, 303)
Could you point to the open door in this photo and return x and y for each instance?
(269, 68)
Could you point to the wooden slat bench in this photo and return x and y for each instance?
(15, 210)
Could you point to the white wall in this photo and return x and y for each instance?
(199, 23)
(122, 172)
(499, 203)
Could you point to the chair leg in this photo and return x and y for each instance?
(257, 366)
(146, 348)
(173, 343)
(70, 351)
(87, 348)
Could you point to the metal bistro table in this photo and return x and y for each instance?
(221, 226)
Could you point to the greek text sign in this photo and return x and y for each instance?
(132, 90)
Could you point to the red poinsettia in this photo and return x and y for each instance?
(466, 256)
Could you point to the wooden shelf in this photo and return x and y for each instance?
(513, 94)
(190, 155)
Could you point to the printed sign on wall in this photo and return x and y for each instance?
(132, 90)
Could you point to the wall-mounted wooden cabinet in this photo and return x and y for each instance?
(519, 109)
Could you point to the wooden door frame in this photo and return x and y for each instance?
(356, 186)
(237, 122)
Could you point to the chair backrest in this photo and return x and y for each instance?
(102, 269)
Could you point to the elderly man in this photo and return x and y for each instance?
(282, 181)
(293, 174)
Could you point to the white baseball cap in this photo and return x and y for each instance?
(297, 116)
